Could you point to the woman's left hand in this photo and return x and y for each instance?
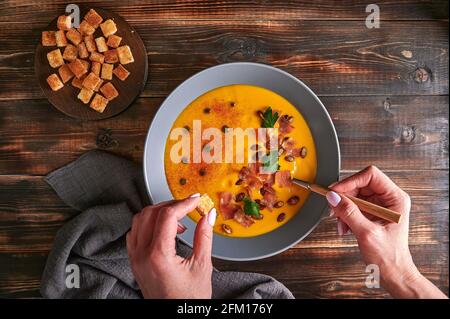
(159, 272)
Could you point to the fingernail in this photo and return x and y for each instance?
(212, 215)
(332, 213)
(340, 228)
(195, 195)
(333, 198)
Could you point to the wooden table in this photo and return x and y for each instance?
(386, 90)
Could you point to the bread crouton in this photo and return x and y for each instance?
(90, 43)
(85, 95)
(114, 41)
(74, 36)
(109, 91)
(86, 28)
(111, 56)
(108, 28)
(70, 53)
(99, 103)
(54, 82)
(64, 22)
(64, 73)
(101, 44)
(97, 57)
(61, 40)
(91, 81)
(121, 72)
(125, 55)
(78, 68)
(55, 58)
(48, 38)
(96, 68)
(93, 18)
(205, 205)
(83, 53)
(107, 71)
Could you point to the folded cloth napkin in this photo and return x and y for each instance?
(108, 190)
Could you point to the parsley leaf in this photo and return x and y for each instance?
(250, 207)
(269, 118)
(270, 162)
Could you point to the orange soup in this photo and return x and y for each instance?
(248, 202)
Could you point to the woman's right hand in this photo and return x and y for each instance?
(385, 245)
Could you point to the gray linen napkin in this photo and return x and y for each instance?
(108, 190)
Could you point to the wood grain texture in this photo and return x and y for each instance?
(333, 58)
(386, 90)
(398, 132)
(13, 11)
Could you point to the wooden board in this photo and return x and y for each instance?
(66, 99)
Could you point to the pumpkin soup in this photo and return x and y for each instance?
(253, 196)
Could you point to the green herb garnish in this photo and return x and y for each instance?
(251, 207)
(269, 118)
(270, 162)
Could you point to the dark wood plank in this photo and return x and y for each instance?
(308, 273)
(332, 57)
(399, 132)
(31, 213)
(238, 9)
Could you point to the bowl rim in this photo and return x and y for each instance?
(274, 69)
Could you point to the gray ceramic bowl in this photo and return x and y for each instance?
(298, 94)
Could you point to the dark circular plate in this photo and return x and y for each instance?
(66, 99)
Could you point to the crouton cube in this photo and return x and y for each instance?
(48, 38)
(78, 82)
(70, 53)
(55, 58)
(99, 103)
(86, 64)
(91, 81)
(64, 73)
(78, 68)
(101, 44)
(90, 43)
(125, 55)
(205, 205)
(64, 22)
(114, 41)
(121, 72)
(86, 28)
(61, 40)
(97, 57)
(93, 18)
(82, 51)
(109, 91)
(54, 82)
(108, 28)
(85, 95)
(96, 67)
(107, 70)
(74, 36)
(111, 56)
(98, 85)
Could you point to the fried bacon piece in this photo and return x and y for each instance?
(242, 219)
(227, 206)
(283, 178)
(285, 125)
